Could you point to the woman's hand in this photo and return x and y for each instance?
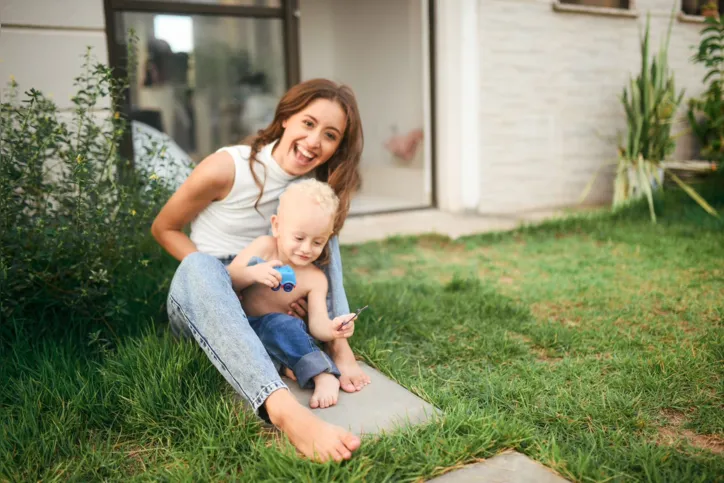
(298, 308)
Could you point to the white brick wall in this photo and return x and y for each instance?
(550, 87)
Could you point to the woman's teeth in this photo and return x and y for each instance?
(306, 154)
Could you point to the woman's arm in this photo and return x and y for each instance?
(337, 299)
(210, 181)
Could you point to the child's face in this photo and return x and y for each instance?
(302, 229)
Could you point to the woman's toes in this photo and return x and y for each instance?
(338, 455)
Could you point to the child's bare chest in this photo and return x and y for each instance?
(259, 299)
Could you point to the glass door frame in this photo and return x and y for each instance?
(288, 12)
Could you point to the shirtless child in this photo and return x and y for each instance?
(300, 232)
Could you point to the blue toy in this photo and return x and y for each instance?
(289, 280)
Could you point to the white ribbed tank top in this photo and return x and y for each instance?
(227, 226)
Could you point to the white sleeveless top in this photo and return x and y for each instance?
(227, 226)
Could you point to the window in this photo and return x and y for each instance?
(255, 3)
(695, 7)
(623, 4)
(208, 72)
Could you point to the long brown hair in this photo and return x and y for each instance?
(341, 171)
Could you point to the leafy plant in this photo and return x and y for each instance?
(706, 113)
(74, 236)
(651, 101)
(710, 7)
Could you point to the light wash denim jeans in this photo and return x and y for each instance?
(202, 304)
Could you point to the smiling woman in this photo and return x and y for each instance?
(229, 200)
(326, 133)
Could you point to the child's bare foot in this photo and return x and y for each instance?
(326, 391)
(313, 437)
(290, 374)
(353, 379)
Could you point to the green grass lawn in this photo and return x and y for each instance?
(594, 345)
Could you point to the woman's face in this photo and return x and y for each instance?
(310, 137)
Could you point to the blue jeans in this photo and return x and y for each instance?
(202, 304)
(287, 340)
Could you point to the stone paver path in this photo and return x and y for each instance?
(359, 229)
(510, 467)
(385, 405)
(380, 406)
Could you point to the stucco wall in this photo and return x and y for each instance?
(42, 43)
(550, 84)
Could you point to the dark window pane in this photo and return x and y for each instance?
(694, 7)
(206, 81)
(599, 3)
(246, 3)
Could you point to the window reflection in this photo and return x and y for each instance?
(206, 81)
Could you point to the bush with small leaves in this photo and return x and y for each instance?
(74, 214)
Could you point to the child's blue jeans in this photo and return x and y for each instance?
(287, 341)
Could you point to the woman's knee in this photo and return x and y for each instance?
(200, 277)
(197, 262)
(201, 268)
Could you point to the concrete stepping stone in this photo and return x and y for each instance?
(381, 406)
(508, 467)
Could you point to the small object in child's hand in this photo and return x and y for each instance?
(359, 311)
(289, 280)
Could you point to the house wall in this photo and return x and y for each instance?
(42, 43)
(550, 84)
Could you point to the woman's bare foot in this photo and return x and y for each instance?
(312, 437)
(353, 379)
(326, 391)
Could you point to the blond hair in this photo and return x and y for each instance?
(321, 193)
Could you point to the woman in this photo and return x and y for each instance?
(228, 200)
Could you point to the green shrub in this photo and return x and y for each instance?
(706, 113)
(75, 238)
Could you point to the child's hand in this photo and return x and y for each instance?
(266, 274)
(330, 330)
(344, 330)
